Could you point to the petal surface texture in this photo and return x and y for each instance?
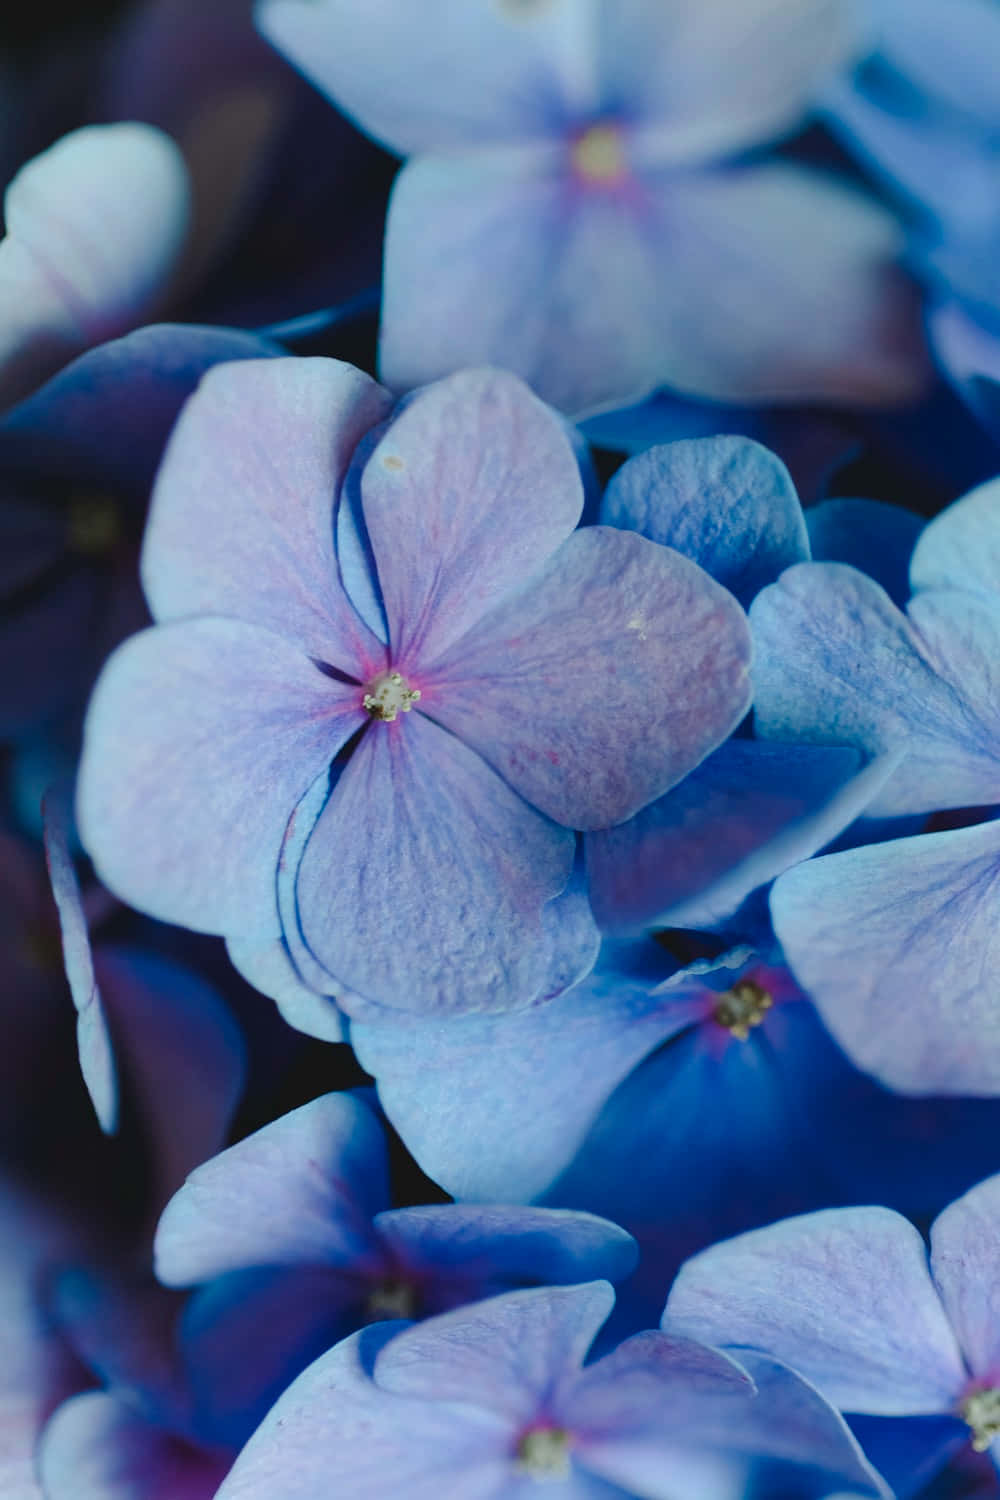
(964, 1264)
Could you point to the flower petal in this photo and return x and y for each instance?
(263, 447)
(270, 970)
(471, 489)
(314, 1178)
(898, 945)
(95, 226)
(844, 1296)
(99, 1447)
(875, 538)
(462, 72)
(424, 880)
(600, 684)
(960, 548)
(965, 1240)
(200, 738)
(971, 359)
(727, 503)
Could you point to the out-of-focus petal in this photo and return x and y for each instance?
(300, 1191)
(262, 448)
(95, 226)
(200, 738)
(727, 503)
(844, 1296)
(898, 945)
(876, 538)
(607, 678)
(99, 1447)
(971, 358)
(423, 882)
(471, 489)
(965, 1264)
(494, 1107)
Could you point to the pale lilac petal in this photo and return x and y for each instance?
(602, 682)
(458, 73)
(506, 1355)
(423, 882)
(869, 535)
(98, 1447)
(652, 1381)
(263, 447)
(960, 548)
(703, 81)
(95, 226)
(898, 945)
(971, 358)
(335, 1421)
(183, 1053)
(727, 503)
(313, 975)
(270, 970)
(951, 54)
(844, 1296)
(97, 1059)
(745, 814)
(494, 1107)
(836, 662)
(301, 1191)
(965, 1264)
(471, 489)
(200, 738)
(507, 1245)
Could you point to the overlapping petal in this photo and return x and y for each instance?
(424, 880)
(602, 682)
(844, 1296)
(201, 737)
(964, 1264)
(960, 548)
(898, 946)
(876, 538)
(99, 1447)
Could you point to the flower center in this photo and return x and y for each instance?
(981, 1411)
(543, 1453)
(388, 695)
(392, 1299)
(93, 526)
(599, 155)
(743, 1007)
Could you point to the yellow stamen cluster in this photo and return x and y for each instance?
(743, 1007)
(599, 155)
(543, 1453)
(981, 1411)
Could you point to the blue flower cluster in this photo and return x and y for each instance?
(500, 738)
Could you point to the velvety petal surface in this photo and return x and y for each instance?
(506, 1355)
(837, 662)
(493, 1107)
(97, 1059)
(271, 970)
(105, 417)
(602, 682)
(750, 810)
(335, 1419)
(95, 226)
(99, 1447)
(700, 281)
(312, 1180)
(960, 548)
(465, 72)
(727, 503)
(470, 490)
(898, 944)
(876, 538)
(844, 1296)
(423, 882)
(964, 1263)
(200, 738)
(263, 448)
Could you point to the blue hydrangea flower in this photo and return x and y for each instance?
(848, 1299)
(897, 942)
(491, 1402)
(499, 678)
(568, 211)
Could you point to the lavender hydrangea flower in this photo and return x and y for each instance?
(848, 1299)
(535, 680)
(568, 211)
(491, 1402)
